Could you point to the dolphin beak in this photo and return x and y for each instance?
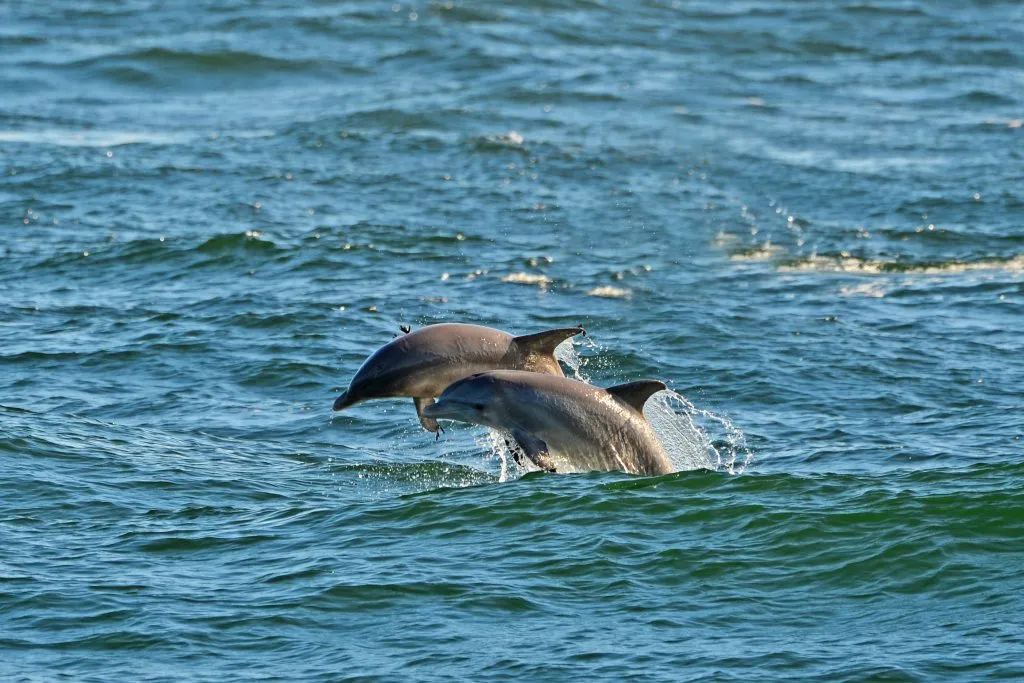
(342, 402)
(445, 410)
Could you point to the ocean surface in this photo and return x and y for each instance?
(806, 217)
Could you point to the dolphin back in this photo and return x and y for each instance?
(428, 356)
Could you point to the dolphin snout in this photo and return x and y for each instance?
(446, 409)
(342, 402)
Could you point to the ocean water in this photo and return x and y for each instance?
(806, 217)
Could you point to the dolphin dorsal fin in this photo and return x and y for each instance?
(544, 343)
(635, 394)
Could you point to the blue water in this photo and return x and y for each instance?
(807, 218)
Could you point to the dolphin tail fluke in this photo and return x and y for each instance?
(429, 423)
(635, 394)
(543, 344)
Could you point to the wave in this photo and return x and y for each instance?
(164, 67)
(220, 61)
(250, 240)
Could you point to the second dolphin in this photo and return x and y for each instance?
(561, 424)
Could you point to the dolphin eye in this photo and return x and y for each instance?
(479, 406)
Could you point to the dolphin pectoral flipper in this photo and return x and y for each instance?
(543, 344)
(635, 394)
(429, 423)
(514, 450)
(535, 449)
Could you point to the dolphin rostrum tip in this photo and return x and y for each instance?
(341, 402)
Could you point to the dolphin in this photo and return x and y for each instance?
(421, 364)
(561, 424)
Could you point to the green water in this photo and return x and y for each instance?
(805, 217)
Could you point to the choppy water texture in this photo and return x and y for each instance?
(805, 216)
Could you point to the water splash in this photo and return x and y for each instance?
(494, 441)
(695, 438)
(567, 353)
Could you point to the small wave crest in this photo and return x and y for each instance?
(250, 240)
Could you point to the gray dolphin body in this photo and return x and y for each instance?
(421, 364)
(561, 424)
